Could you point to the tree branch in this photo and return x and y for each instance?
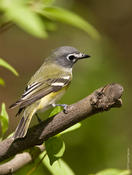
(20, 160)
(100, 100)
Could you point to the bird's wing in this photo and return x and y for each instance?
(37, 90)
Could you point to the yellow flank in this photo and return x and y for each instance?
(50, 99)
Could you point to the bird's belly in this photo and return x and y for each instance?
(49, 99)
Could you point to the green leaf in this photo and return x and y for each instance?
(72, 128)
(114, 172)
(58, 168)
(3, 63)
(55, 148)
(2, 82)
(55, 111)
(24, 17)
(62, 15)
(50, 25)
(4, 119)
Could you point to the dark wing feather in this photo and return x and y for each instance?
(41, 92)
(38, 96)
(27, 93)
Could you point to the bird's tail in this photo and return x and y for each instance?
(23, 125)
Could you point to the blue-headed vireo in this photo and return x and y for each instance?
(47, 85)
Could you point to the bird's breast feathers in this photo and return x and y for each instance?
(51, 98)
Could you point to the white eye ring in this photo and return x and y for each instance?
(72, 57)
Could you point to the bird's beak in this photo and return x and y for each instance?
(84, 56)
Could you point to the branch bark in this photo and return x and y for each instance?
(20, 160)
(100, 100)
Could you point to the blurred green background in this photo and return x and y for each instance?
(103, 140)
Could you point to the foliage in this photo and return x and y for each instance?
(4, 64)
(55, 146)
(37, 17)
(2, 82)
(4, 119)
(113, 172)
(72, 128)
(65, 16)
(55, 111)
(58, 168)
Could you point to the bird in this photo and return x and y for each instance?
(46, 86)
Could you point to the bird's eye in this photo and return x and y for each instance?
(71, 58)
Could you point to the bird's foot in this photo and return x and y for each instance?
(65, 107)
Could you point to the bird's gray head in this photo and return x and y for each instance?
(67, 56)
